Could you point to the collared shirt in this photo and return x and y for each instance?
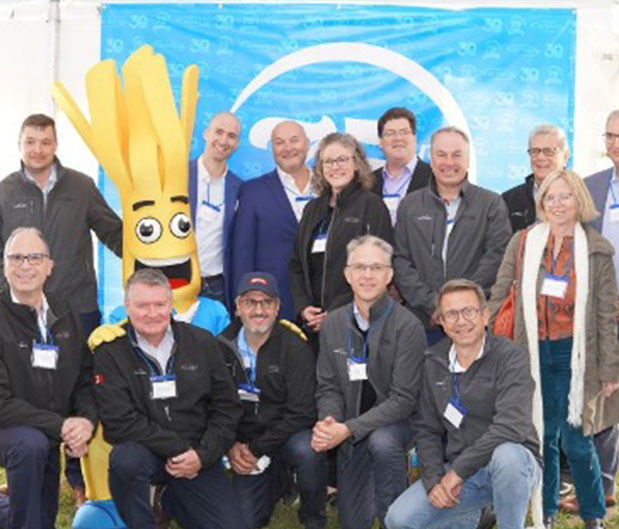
(298, 199)
(361, 322)
(610, 229)
(210, 221)
(49, 185)
(248, 355)
(395, 187)
(454, 365)
(41, 315)
(452, 209)
(162, 352)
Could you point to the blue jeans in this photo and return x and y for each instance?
(555, 369)
(506, 482)
(258, 495)
(371, 474)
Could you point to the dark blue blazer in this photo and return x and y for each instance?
(598, 185)
(263, 235)
(232, 187)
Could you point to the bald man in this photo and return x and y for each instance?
(270, 208)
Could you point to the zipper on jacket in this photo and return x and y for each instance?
(166, 408)
(324, 263)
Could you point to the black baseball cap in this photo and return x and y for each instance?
(261, 281)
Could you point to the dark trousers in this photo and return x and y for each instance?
(214, 287)
(204, 502)
(556, 373)
(371, 474)
(607, 448)
(33, 470)
(259, 494)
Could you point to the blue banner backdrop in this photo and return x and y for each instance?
(494, 72)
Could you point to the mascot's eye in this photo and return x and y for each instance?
(180, 225)
(148, 230)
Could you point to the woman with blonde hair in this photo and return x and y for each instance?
(565, 318)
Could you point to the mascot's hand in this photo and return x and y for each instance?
(105, 334)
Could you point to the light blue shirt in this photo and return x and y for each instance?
(49, 185)
(397, 186)
(610, 229)
(247, 354)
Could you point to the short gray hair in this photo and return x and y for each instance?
(613, 115)
(148, 276)
(370, 240)
(546, 129)
(449, 128)
(25, 229)
(460, 285)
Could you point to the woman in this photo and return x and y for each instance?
(565, 318)
(344, 210)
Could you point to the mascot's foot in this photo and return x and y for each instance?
(98, 514)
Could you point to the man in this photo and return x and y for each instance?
(604, 188)
(274, 370)
(476, 441)
(270, 208)
(404, 172)
(213, 190)
(45, 385)
(449, 229)
(169, 408)
(65, 205)
(369, 369)
(548, 152)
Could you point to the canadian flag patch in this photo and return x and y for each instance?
(97, 379)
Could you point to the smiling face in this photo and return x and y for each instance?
(368, 272)
(449, 159)
(149, 308)
(546, 156)
(27, 278)
(464, 331)
(290, 146)
(338, 166)
(37, 146)
(560, 204)
(222, 137)
(398, 141)
(257, 311)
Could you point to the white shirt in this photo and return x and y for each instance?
(362, 324)
(210, 221)
(298, 199)
(41, 315)
(610, 229)
(162, 352)
(452, 210)
(454, 365)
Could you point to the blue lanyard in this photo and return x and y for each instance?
(397, 192)
(246, 352)
(568, 266)
(612, 192)
(351, 349)
(298, 197)
(149, 363)
(208, 203)
(455, 382)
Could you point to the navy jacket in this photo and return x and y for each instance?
(233, 185)
(263, 235)
(598, 185)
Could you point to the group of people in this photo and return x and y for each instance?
(363, 306)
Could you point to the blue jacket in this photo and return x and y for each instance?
(598, 185)
(233, 184)
(263, 235)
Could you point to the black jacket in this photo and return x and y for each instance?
(520, 203)
(42, 398)
(421, 178)
(357, 212)
(286, 377)
(203, 416)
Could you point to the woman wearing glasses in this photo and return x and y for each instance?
(344, 210)
(565, 318)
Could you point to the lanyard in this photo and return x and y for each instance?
(567, 266)
(300, 197)
(351, 350)
(612, 192)
(455, 382)
(208, 203)
(247, 353)
(397, 192)
(149, 363)
(44, 332)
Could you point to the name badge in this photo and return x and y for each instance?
(554, 286)
(357, 370)
(44, 356)
(392, 201)
(614, 213)
(249, 393)
(454, 413)
(320, 244)
(262, 464)
(163, 387)
(208, 212)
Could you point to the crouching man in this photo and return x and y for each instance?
(45, 385)
(170, 410)
(275, 373)
(476, 441)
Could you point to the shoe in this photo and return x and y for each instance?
(594, 523)
(569, 505)
(161, 520)
(79, 497)
(549, 522)
(4, 489)
(611, 500)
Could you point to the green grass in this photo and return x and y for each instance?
(286, 517)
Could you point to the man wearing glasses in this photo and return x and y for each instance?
(45, 385)
(548, 152)
(275, 374)
(476, 441)
(604, 189)
(369, 372)
(403, 172)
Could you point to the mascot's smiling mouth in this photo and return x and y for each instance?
(176, 269)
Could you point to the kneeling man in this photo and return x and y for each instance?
(476, 441)
(369, 370)
(275, 373)
(170, 410)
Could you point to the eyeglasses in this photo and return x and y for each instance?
(546, 151)
(452, 316)
(561, 198)
(339, 161)
(610, 137)
(34, 259)
(393, 133)
(374, 268)
(251, 303)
